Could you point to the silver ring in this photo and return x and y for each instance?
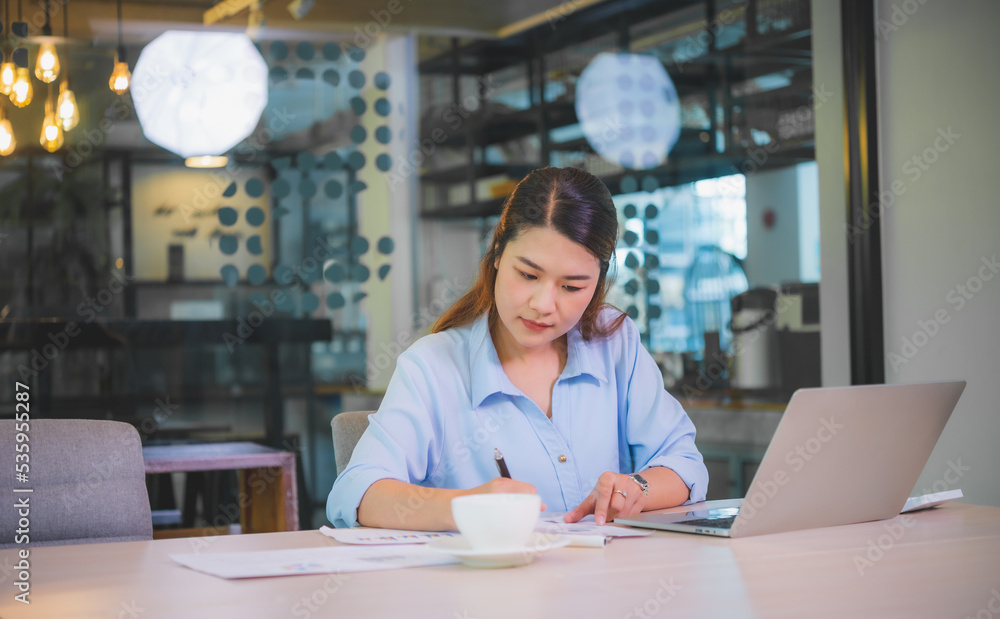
(621, 492)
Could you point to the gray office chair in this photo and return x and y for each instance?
(88, 483)
(347, 428)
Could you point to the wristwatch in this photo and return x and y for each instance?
(639, 479)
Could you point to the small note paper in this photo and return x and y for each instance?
(325, 560)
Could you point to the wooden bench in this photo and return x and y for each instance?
(268, 496)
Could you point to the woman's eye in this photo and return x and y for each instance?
(527, 275)
(572, 288)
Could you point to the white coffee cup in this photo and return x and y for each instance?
(496, 521)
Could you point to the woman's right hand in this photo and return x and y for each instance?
(393, 504)
(502, 485)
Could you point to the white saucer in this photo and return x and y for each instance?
(459, 547)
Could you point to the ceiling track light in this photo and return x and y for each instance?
(52, 134)
(21, 91)
(19, 56)
(47, 62)
(120, 76)
(67, 111)
(7, 71)
(7, 64)
(7, 141)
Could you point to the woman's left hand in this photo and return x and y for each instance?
(614, 495)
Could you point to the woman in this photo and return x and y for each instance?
(530, 363)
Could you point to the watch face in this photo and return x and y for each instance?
(639, 479)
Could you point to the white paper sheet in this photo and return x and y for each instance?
(585, 534)
(926, 501)
(337, 559)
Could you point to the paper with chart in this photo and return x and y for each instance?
(324, 560)
(372, 536)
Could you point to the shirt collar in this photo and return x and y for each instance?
(488, 376)
(582, 358)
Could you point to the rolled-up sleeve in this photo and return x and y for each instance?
(401, 442)
(658, 431)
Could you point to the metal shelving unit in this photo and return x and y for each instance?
(764, 38)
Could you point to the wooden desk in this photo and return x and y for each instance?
(268, 497)
(945, 563)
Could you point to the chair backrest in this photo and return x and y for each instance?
(347, 428)
(87, 479)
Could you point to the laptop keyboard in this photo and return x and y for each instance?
(725, 522)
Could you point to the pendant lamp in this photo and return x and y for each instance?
(120, 76)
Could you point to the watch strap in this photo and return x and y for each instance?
(641, 481)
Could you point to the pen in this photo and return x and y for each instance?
(501, 465)
(589, 541)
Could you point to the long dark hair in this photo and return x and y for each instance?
(573, 203)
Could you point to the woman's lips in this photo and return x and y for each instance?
(534, 326)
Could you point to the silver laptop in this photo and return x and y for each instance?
(840, 455)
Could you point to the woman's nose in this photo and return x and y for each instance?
(543, 299)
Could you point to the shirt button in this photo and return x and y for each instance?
(562, 458)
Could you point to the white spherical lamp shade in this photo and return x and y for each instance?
(628, 109)
(199, 93)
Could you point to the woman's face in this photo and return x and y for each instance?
(544, 283)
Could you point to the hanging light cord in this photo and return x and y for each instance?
(66, 30)
(121, 48)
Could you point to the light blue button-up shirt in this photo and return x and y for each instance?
(449, 404)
